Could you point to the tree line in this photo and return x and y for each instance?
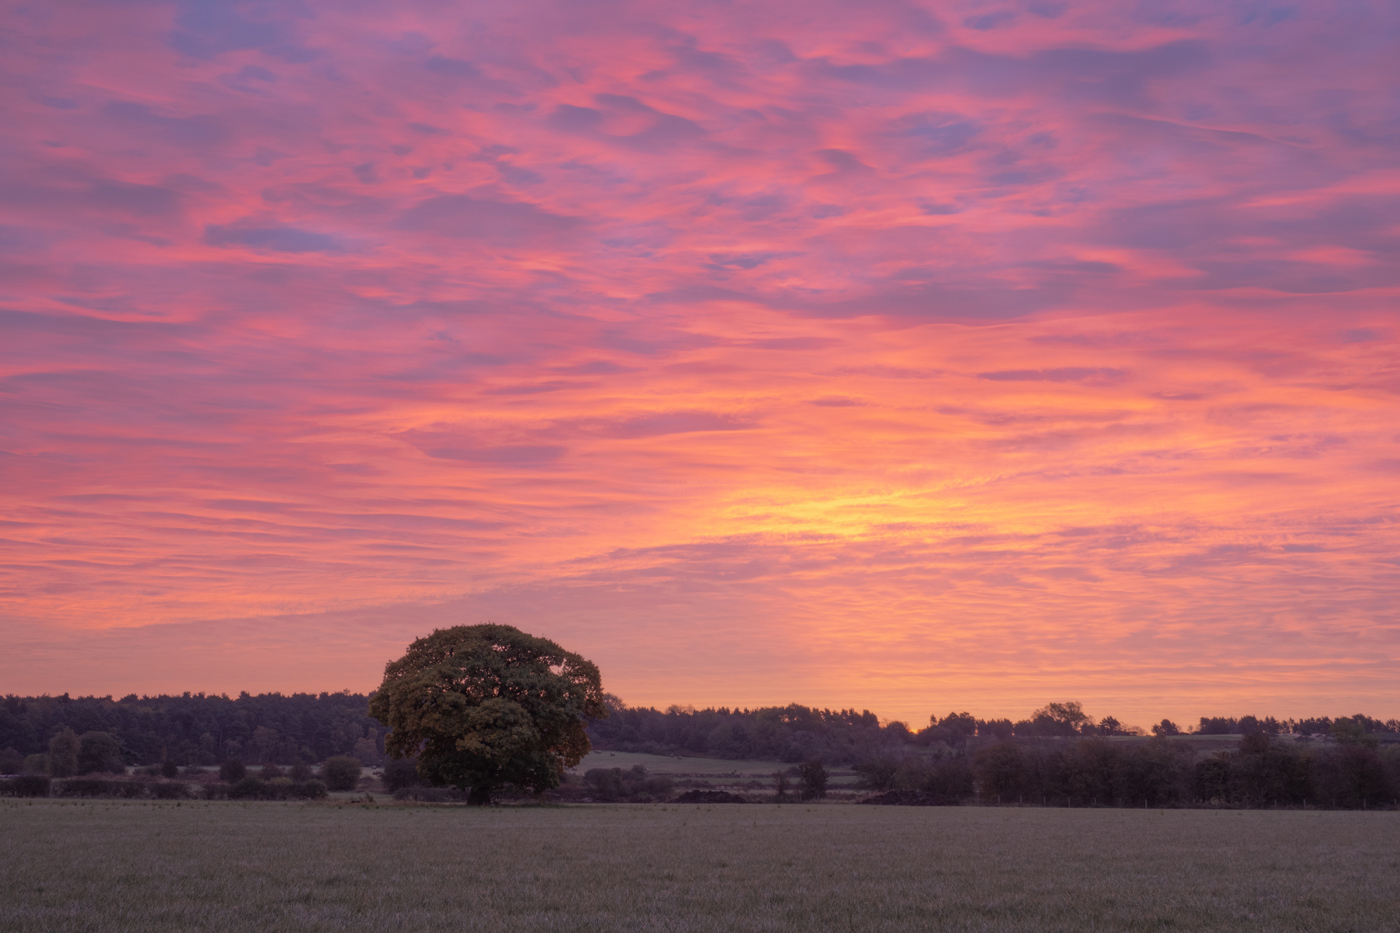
(196, 729)
(1260, 771)
(205, 730)
(797, 733)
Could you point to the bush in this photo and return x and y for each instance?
(169, 791)
(270, 771)
(169, 769)
(635, 784)
(26, 785)
(232, 771)
(99, 787)
(301, 772)
(37, 763)
(341, 772)
(309, 790)
(249, 788)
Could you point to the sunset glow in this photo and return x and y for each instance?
(887, 355)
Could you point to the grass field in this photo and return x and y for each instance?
(132, 867)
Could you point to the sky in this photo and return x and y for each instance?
(898, 356)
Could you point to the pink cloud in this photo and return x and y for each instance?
(1049, 342)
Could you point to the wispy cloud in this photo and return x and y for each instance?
(711, 344)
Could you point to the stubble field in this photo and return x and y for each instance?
(132, 867)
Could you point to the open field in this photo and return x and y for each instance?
(678, 766)
(126, 866)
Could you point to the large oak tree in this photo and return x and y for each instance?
(489, 706)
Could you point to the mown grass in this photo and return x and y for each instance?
(126, 866)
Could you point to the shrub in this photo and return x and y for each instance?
(309, 790)
(249, 788)
(37, 763)
(634, 784)
(26, 785)
(232, 771)
(341, 772)
(99, 787)
(169, 769)
(270, 771)
(301, 772)
(169, 791)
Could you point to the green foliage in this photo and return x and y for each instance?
(99, 751)
(812, 778)
(485, 706)
(63, 753)
(341, 772)
(1350, 731)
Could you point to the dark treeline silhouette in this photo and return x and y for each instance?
(791, 733)
(196, 729)
(1260, 771)
(798, 733)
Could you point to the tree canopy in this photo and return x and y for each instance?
(486, 706)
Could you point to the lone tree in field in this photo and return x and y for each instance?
(486, 706)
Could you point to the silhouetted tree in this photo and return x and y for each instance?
(877, 774)
(996, 728)
(99, 751)
(1166, 727)
(484, 706)
(63, 753)
(812, 777)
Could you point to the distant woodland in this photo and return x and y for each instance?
(1057, 756)
(196, 729)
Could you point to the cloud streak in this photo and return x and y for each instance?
(998, 352)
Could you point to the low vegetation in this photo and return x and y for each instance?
(144, 867)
